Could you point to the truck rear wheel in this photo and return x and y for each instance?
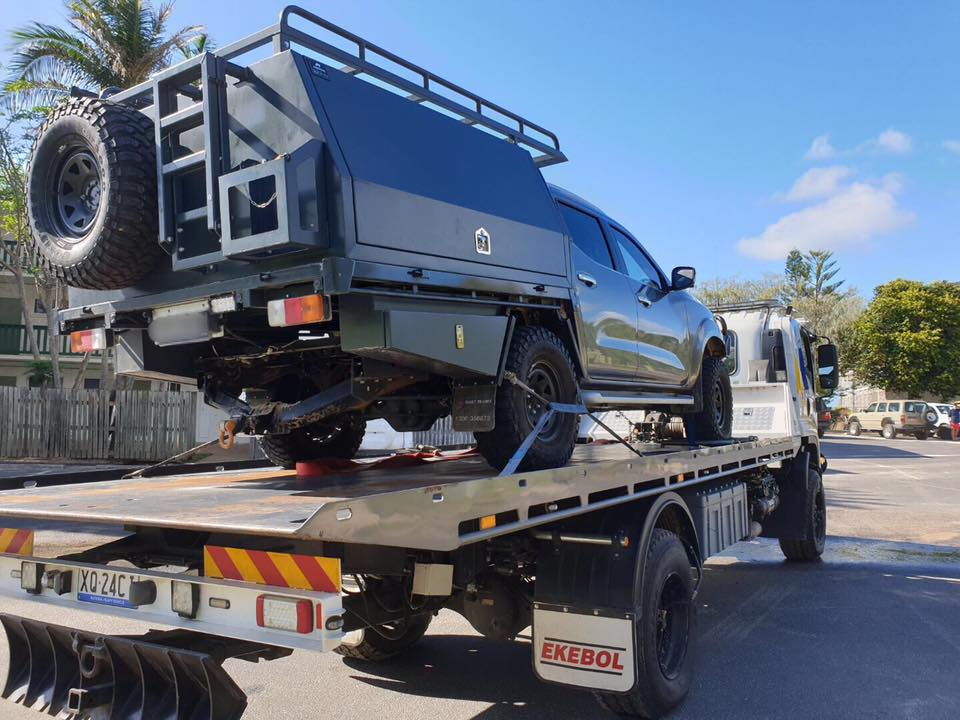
(665, 623)
(336, 438)
(383, 643)
(714, 421)
(540, 360)
(810, 547)
(92, 194)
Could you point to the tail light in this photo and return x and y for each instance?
(903, 419)
(828, 415)
(84, 341)
(283, 613)
(298, 311)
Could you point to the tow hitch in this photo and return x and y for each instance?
(157, 676)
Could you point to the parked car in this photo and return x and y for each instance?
(892, 418)
(321, 252)
(939, 417)
(824, 417)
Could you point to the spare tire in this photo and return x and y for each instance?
(92, 194)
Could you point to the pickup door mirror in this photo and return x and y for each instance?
(683, 278)
(828, 366)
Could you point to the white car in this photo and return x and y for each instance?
(940, 424)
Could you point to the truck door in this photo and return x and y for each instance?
(606, 309)
(663, 334)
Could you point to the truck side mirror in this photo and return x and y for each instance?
(828, 366)
(683, 278)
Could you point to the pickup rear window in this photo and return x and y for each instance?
(587, 235)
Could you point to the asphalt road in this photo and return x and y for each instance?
(872, 632)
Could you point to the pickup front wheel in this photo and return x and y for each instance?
(714, 421)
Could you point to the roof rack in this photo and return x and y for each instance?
(751, 305)
(471, 109)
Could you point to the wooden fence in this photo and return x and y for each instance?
(94, 424)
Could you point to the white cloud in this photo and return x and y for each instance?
(853, 214)
(952, 145)
(819, 182)
(894, 141)
(820, 149)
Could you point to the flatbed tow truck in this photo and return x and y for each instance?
(602, 557)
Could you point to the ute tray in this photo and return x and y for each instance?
(410, 501)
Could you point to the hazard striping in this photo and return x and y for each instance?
(302, 572)
(16, 542)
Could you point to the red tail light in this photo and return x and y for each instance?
(903, 419)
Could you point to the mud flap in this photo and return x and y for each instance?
(584, 650)
(160, 675)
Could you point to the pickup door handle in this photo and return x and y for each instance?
(588, 280)
(644, 300)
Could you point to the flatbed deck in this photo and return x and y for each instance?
(432, 505)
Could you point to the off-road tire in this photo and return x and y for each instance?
(944, 433)
(336, 438)
(854, 428)
(374, 647)
(659, 689)
(714, 420)
(889, 431)
(120, 245)
(534, 352)
(810, 548)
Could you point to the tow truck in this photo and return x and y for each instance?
(603, 557)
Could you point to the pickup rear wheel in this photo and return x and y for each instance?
(336, 438)
(666, 619)
(539, 359)
(714, 421)
(92, 194)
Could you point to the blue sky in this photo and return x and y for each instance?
(721, 134)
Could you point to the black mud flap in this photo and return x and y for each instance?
(172, 675)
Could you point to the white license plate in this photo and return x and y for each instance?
(105, 587)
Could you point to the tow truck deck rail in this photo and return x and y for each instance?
(434, 505)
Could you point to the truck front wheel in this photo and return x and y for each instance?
(810, 547)
(339, 437)
(539, 359)
(666, 619)
(383, 643)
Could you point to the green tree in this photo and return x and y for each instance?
(823, 269)
(810, 285)
(108, 43)
(908, 339)
(796, 276)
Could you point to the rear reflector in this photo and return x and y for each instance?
(280, 613)
(298, 311)
(84, 341)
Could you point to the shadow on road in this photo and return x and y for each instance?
(849, 448)
(776, 640)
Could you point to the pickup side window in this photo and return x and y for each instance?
(587, 235)
(914, 407)
(638, 265)
(872, 408)
(882, 407)
(893, 407)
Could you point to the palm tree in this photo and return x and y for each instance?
(109, 43)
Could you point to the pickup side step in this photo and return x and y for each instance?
(157, 676)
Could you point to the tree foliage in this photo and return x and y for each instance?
(108, 43)
(908, 339)
(723, 291)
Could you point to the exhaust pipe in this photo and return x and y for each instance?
(158, 676)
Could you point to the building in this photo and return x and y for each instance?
(16, 357)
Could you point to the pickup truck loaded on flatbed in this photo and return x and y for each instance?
(599, 548)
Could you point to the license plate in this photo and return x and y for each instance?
(105, 587)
